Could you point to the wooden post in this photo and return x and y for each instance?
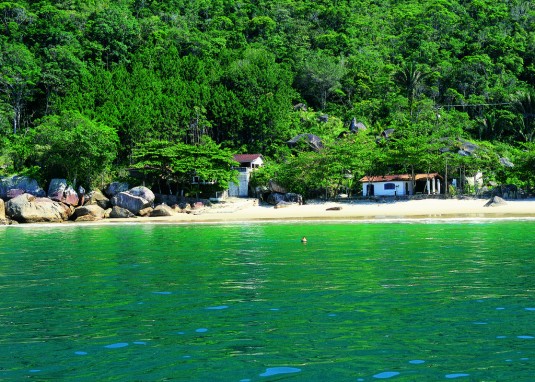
(446, 179)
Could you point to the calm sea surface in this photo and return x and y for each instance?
(412, 301)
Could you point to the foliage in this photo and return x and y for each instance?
(181, 71)
(18, 76)
(333, 170)
(183, 167)
(74, 147)
(525, 165)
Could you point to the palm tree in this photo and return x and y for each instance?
(410, 77)
(524, 103)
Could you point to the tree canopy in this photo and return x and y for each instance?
(249, 76)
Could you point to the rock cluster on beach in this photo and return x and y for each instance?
(26, 202)
(278, 196)
(495, 201)
(3, 219)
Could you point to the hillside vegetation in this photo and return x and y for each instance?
(91, 87)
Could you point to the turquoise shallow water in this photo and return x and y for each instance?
(425, 301)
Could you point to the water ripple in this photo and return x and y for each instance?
(118, 345)
(456, 375)
(279, 370)
(386, 374)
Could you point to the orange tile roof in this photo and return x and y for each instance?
(246, 157)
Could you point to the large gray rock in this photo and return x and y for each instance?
(275, 198)
(495, 201)
(313, 141)
(61, 192)
(14, 192)
(292, 197)
(28, 185)
(142, 192)
(89, 212)
(26, 208)
(130, 202)
(275, 187)
(98, 198)
(163, 210)
(116, 187)
(119, 212)
(3, 219)
(56, 188)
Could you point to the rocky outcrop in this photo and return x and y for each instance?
(115, 188)
(294, 198)
(14, 192)
(7, 221)
(145, 211)
(132, 203)
(138, 200)
(290, 197)
(26, 208)
(142, 192)
(27, 185)
(275, 187)
(275, 198)
(3, 219)
(495, 201)
(91, 212)
(120, 213)
(98, 198)
(313, 141)
(197, 205)
(61, 192)
(163, 210)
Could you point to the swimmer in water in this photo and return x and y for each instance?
(304, 240)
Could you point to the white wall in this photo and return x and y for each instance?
(379, 188)
(242, 188)
(258, 162)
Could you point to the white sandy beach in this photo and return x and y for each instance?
(247, 210)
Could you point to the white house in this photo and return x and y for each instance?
(248, 163)
(400, 185)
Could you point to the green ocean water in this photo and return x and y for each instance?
(401, 301)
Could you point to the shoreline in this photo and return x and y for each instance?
(424, 209)
(248, 211)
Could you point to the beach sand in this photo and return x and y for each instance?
(247, 210)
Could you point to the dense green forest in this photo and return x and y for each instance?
(89, 88)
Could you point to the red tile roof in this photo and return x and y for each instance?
(401, 177)
(242, 158)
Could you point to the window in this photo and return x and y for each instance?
(390, 186)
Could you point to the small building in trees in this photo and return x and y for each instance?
(401, 185)
(248, 163)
